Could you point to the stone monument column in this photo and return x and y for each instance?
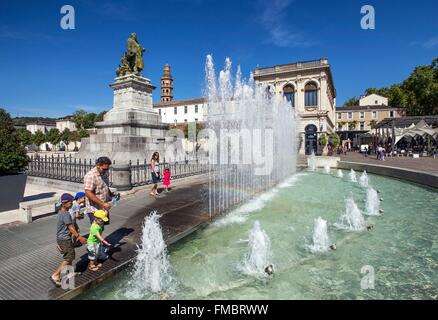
(132, 130)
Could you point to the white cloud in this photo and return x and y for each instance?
(273, 18)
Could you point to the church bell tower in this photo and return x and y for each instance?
(166, 85)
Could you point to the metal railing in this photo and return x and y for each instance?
(72, 169)
(141, 172)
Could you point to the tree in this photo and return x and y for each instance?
(13, 158)
(25, 136)
(352, 102)
(334, 140)
(323, 139)
(54, 137)
(39, 138)
(66, 137)
(83, 133)
(79, 119)
(352, 125)
(75, 137)
(373, 124)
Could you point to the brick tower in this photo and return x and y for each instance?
(166, 85)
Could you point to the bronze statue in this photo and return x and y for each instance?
(132, 60)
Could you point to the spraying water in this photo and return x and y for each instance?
(352, 219)
(321, 241)
(340, 174)
(311, 161)
(259, 255)
(327, 169)
(372, 206)
(152, 268)
(251, 135)
(353, 176)
(363, 180)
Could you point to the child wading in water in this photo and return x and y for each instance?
(166, 178)
(95, 240)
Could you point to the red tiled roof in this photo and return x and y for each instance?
(179, 103)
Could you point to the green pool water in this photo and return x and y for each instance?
(402, 248)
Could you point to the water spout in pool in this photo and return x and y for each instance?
(259, 255)
(353, 176)
(152, 268)
(352, 219)
(321, 241)
(372, 207)
(252, 141)
(312, 161)
(363, 180)
(340, 174)
(327, 169)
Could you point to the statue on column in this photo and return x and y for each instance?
(132, 60)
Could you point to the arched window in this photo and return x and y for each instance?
(289, 94)
(311, 95)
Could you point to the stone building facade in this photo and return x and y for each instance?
(310, 89)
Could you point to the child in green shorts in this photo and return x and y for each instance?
(95, 240)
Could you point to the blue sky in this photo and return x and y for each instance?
(48, 71)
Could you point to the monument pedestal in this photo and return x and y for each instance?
(131, 130)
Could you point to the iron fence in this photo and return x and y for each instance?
(68, 168)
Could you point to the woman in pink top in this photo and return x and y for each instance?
(166, 178)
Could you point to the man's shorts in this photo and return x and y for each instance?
(67, 249)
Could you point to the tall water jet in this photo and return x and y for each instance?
(321, 241)
(340, 174)
(311, 161)
(372, 206)
(252, 142)
(363, 180)
(353, 176)
(352, 219)
(152, 268)
(259, 255)
(327, 169)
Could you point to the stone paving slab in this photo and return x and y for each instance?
(28, 254)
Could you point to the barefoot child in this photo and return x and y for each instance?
(95, 239)
(166, 178)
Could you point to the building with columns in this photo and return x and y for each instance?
(310, 89)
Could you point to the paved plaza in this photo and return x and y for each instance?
(425, 164)
(28, 254)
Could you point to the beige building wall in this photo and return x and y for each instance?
(373, 100)
(364, 117)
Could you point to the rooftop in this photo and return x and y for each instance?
(361, 108)
(179, 103)
(405, 122)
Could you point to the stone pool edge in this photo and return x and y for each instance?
(419, 177)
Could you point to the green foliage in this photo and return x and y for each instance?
(86, 120)
(352, 102)
(66, 137)
(352, 125)
(39, 138)
(334, 140)
(83, 133)
(53, 136)
(373, 124)
(13, 158)
(323, 139)
(25, 136)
